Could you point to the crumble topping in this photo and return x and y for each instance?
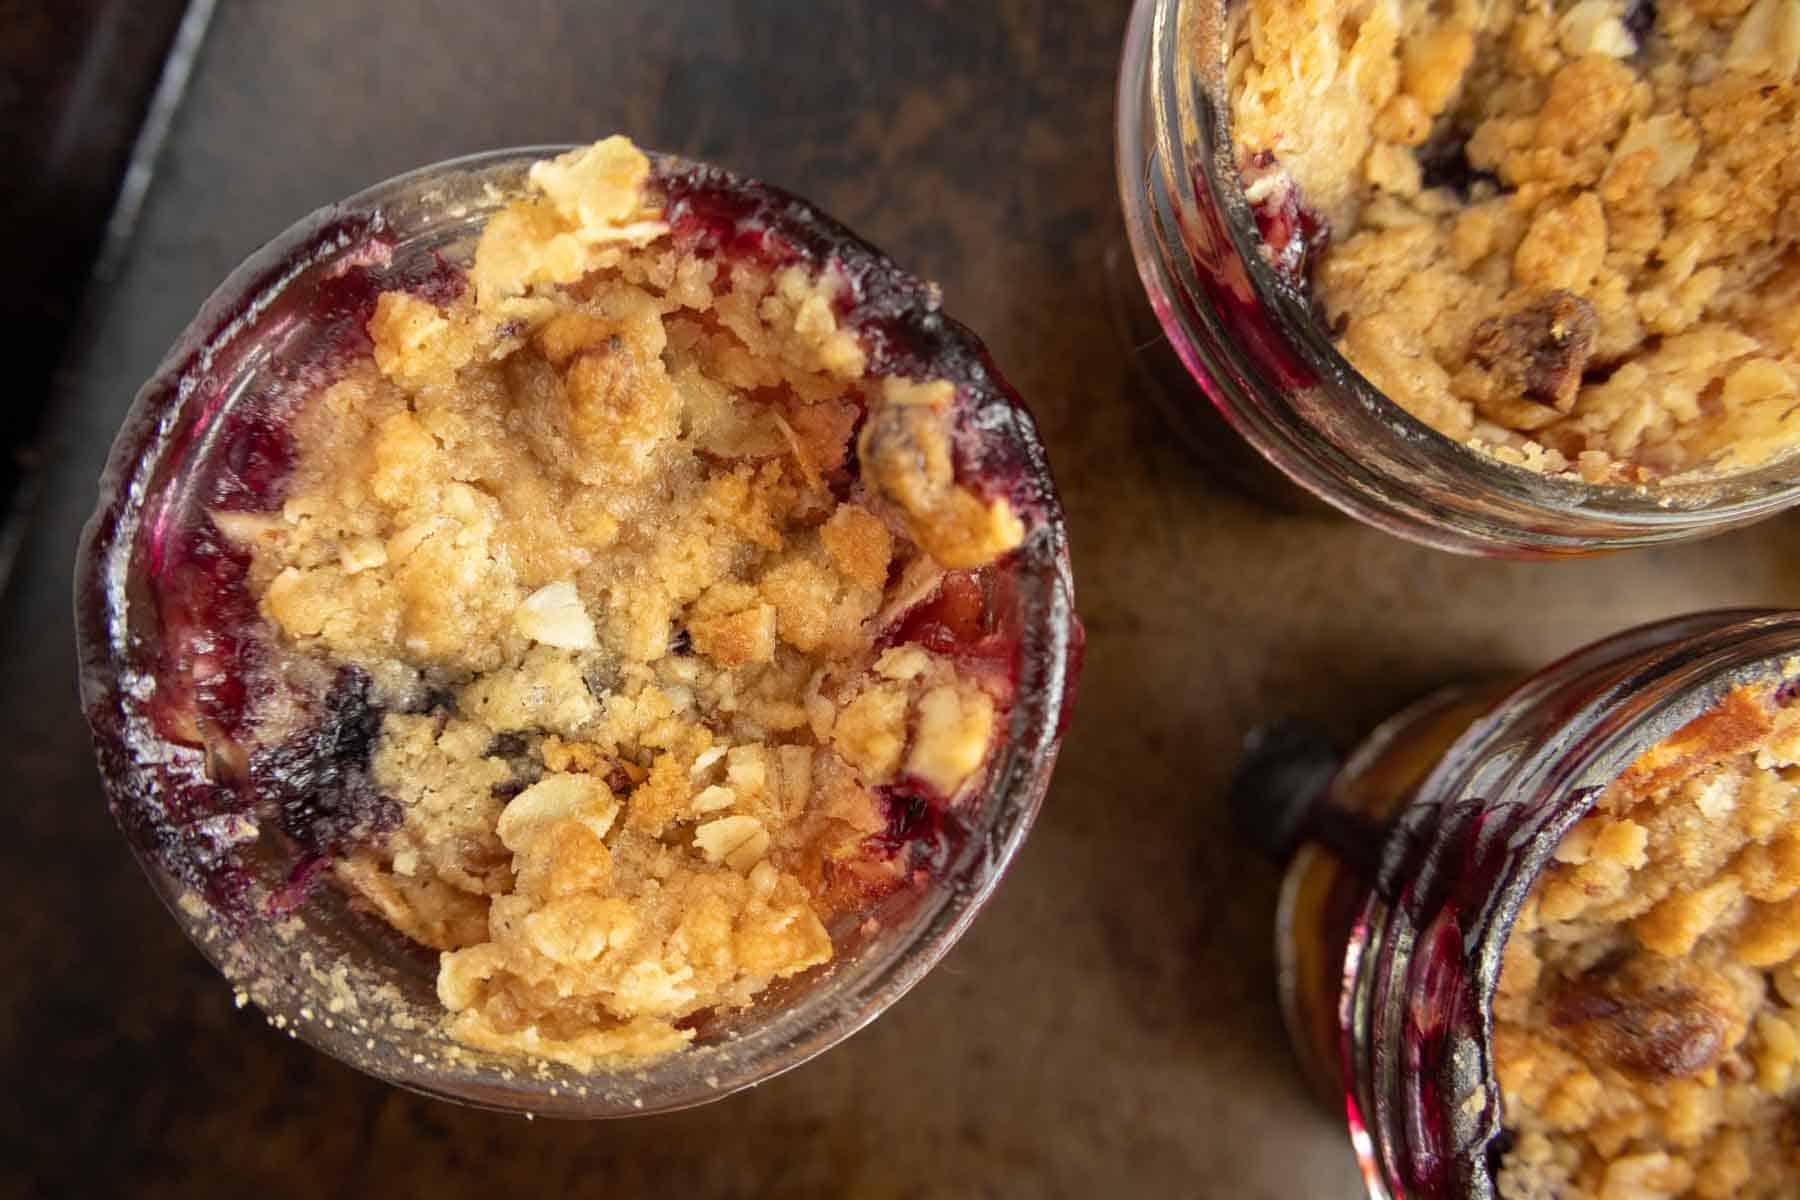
(1566, 234)
(1647, 1017)
(610, 541)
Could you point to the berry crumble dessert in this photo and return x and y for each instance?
(619, 617)
(1565, 234)
(1647, 1018)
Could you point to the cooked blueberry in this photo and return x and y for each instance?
(508, 745)
(318, 781)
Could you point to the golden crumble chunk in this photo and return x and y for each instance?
(598, 535)
(1567, 234)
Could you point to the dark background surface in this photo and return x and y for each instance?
(1108, 1026)
(76, 81)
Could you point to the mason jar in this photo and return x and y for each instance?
(1258, 355)
(1412, 855)
(338, 979)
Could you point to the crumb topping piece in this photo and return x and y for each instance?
(602, 535)
(1646, 1018)
(1566, 234)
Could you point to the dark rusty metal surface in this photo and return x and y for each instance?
(1108, 1027)
(77, 79)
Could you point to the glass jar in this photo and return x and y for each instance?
(1255, 351)
(1420, 847)
(339, 980)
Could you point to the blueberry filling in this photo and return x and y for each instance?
(318, 781)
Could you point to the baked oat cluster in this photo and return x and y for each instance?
(601, 564)
(1564, 233)
(1647, 1018)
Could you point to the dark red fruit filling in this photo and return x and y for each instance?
(920, 823)
(970, 619)
(209, 649)
(1293, 234)
(961, 620)
(258, 457)
(199, 658)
